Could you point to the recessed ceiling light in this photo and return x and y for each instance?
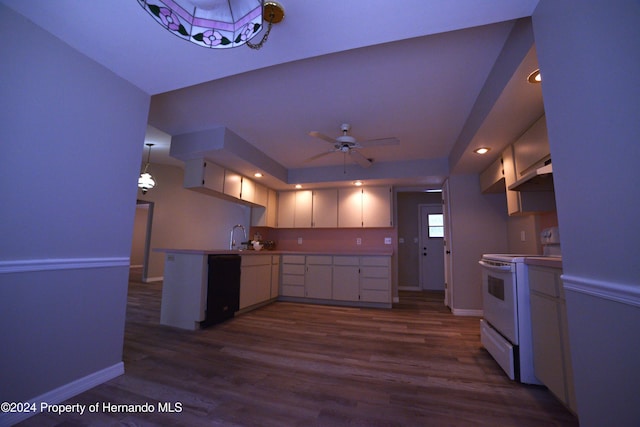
(357, 183)
(257, 175)
(482, 150)
(298, 186)
(535, 77)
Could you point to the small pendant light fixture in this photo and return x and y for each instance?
(146, 181)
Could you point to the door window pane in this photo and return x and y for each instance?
(436, 225)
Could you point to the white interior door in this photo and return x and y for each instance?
(431, 240)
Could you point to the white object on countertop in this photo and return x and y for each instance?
(257, 246)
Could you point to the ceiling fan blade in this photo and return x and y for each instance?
(316, 134)
(317, 156)
(359, 158)
(379, 142)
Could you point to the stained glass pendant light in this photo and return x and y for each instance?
(146, 181)
(216, 24)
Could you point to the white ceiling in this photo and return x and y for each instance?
(412, 69)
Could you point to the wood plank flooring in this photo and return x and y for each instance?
(290, 364)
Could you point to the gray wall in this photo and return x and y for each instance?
(478, 226)
(589, 55)
(187, 219)
(71, 137)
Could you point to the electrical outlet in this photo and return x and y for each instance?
(400, 240)
(299, 240)
(387, 240)
(358, 241)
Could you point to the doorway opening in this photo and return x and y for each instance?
(141, 242)
(412, 276)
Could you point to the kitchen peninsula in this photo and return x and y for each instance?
(361, 278)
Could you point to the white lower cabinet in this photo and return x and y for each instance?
(318, 277)
(346, 278)
(358, 279)
(551, 357)
(375, 283)
(275, 275)
(255, 280)
(293, 272)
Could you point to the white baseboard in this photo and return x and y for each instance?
(619, 292)
(29, 265)
(467, 312)
(65, 392)
(154, 279)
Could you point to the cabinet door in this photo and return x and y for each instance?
(286, 209)
(325, 208)
(532, 148)
(255, 281)
(272, 208)
(346, 283)
(247, 190)
(303, 209)
(349, 207)
(492, 178)
(261, 195)
(547, 343)
(232, 184)
(200, 173)
(275, 275)
(318, 281)
(376, 207)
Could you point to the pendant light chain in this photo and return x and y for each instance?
(257, 46)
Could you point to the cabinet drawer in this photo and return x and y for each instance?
(375, 261)
(319, 259)
(381, 284)
(346, 260)
(292, 279)
(381, 272)
(249, 260)
(543, 280)
(292, 291)
(293, 259)
(369, 295)
(293, 269)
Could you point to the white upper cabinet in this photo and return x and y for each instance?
(365, 207)
(295, 209)
(350, 207)
(232, 184)
(492, 179)
(325, 208)
(202, 174)
(531, 150)
(376, 207)
(247, 190)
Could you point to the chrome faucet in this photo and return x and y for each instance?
(232, 242)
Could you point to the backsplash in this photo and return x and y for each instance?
(329, 239)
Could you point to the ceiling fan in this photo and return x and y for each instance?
(347, 145)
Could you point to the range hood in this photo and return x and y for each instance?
(540, 179)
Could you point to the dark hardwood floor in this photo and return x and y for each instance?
(292, 364)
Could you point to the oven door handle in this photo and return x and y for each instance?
(495, 267)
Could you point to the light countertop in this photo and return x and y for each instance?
(552, 262)
(274, 252)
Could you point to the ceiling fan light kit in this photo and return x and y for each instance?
(216, 24)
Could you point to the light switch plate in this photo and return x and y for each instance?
(299, 240)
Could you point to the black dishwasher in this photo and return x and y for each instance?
(223, 289)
